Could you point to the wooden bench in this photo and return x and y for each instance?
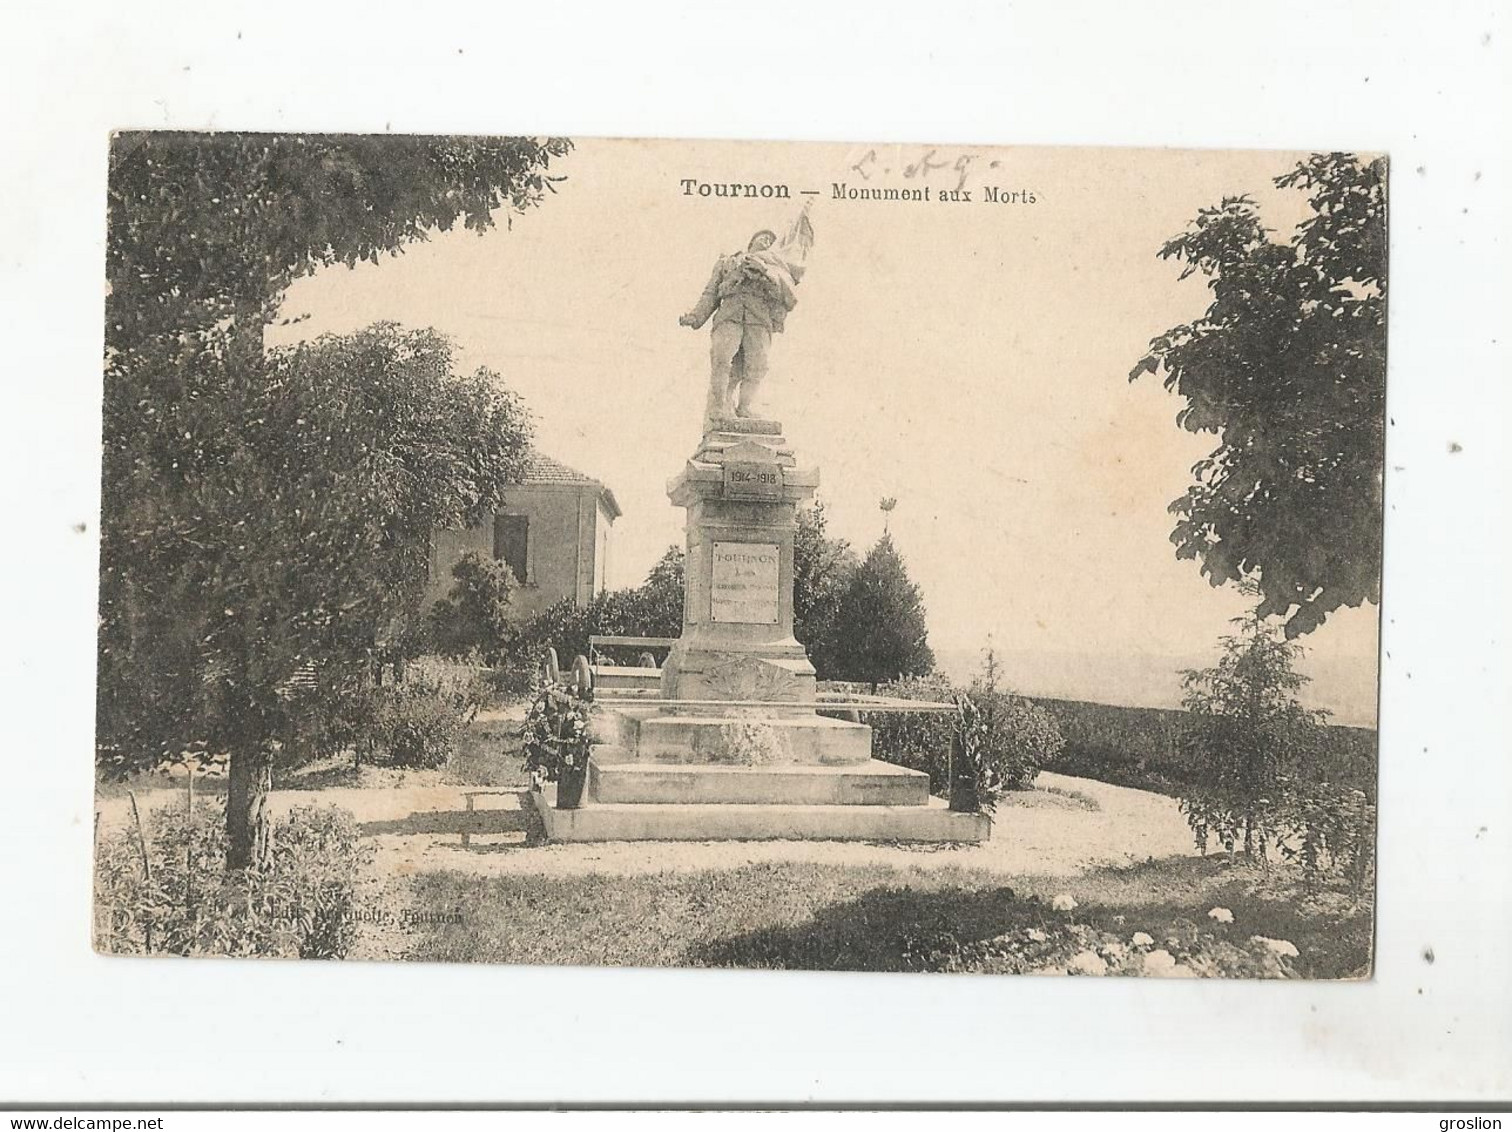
(598, 639)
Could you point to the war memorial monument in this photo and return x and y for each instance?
(730, 739)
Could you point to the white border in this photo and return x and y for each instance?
(1426, 82)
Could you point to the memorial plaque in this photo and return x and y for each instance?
(752, 481)
(745, 587)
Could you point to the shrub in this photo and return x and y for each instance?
(1017, 736)
(508, 681)
(1143, 748)
(1326, 828)
(336, 717)
(917, 740)
(652, 609)
(474, 615)
(1127, 746)
(167, 890)
(418, 722)
(1247, 735)
(1008, 740)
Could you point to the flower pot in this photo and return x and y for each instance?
(570, 788)
(964, 798)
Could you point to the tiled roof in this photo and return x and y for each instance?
(540, 468)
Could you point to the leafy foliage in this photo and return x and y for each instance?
(1012, 738)
(1004, 738)
(263, 517)
(917, 740)
(419, 721)
(204, 226)
(1260, 749)
(474, 616)
(652, 609)
(657, 604)
(1144, 748)
(292, 537)
(1247, 733)
(881, 632)
(822, 571)
(167, 891)
(1287, 366)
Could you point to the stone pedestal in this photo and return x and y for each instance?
(749, 757)
(741, 490)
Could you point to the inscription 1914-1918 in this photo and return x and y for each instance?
(752, 481)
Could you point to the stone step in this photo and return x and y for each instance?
(804, 738)
(862, 784)
(618, 821)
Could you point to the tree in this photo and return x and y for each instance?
(822, 569)
(205, 228)
(222, 507)
(282, 550)
(1287, 366)
(1248, 740)
(655, 608)
(880, 626)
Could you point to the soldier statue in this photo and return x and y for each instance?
(749, 295)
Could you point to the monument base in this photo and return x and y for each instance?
(734, 749)
(700, 821)
(657, 775)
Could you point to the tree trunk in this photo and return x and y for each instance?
(249, 842)
(250, 775)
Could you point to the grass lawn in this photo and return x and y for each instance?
(874, 918)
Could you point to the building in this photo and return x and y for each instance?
(553, 533)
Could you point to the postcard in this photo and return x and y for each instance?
(916, 558)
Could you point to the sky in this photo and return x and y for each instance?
(969, 358)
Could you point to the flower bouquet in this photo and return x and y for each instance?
(556, 741)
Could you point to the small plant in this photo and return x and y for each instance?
(1016, 737)
(417, 727)
(1247, 735)
(417, 722)
(163, 887)
(1327, 829)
